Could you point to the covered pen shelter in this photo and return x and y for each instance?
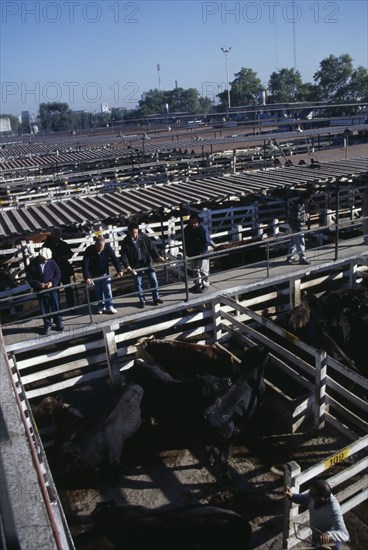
(223, 191)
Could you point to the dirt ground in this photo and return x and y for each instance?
(161, 468)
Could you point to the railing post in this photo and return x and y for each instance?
(185, 263)
(216, 316)
(337, 220)
(112, 356)
(291, 471)
(320, 389)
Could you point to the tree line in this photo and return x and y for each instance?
(335, 81)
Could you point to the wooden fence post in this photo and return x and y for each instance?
(112, 356)
(320, 389)
(216, 315)
(291, 470)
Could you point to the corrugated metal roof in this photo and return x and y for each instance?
(50, 158)
(130, 202)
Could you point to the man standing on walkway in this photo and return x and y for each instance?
(61, 253)
(325, 516)
(138, 253)
(197, 241)
(95, 264)
(42, 274)
(297, 219)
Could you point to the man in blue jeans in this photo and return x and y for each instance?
(43, 273)
(95, 264)
(325, 516)
(137, 254)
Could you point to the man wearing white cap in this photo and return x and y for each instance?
(43, 273)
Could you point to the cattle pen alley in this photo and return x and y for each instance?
(312, 421)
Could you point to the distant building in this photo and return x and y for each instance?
(27, 120)
(5, 125)
(105, 108)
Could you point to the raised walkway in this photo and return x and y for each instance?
(25, 335)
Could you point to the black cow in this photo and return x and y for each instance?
(192, 527)
(227, 416)
(102, 445)
(322, 323)
(180, 402)
(68, 420)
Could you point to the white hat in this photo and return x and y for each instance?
(45, 253)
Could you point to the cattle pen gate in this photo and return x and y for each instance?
(314, 397)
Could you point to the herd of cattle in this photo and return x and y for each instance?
(201, 390)
(189, 388)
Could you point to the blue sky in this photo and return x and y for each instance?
(87, 53)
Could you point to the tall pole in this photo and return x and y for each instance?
(159, 80)
(226, 51)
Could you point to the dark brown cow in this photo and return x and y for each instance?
(185, 359)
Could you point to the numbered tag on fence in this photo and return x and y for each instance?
(335, 459)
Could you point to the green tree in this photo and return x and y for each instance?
(286, 86)
(244, 89)
(333, 77)
(178, 99)
(358, 85)
(55, 116)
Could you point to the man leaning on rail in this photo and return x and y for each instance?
(325, 515)
(95, 265)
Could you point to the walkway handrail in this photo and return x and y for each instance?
(266, 244)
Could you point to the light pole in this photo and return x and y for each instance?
(226, 51)
(159, 79)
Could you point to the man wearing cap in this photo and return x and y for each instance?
(95, 264)
(61, 253)
(43, 274)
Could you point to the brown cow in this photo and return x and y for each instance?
(185, 359)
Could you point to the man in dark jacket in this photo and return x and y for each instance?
(43, 273)
(137, 254)
(61, 253)
(298, 216)
(95, 264)
(197, 240)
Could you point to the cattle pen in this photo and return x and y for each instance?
(301, 387)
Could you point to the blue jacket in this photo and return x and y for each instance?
(196, 240)
(35, 276)
(96, 264)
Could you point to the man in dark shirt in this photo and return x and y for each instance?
(61, 253)
(43, 273)
(95, 264)
(138, 253)
(197, 240)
